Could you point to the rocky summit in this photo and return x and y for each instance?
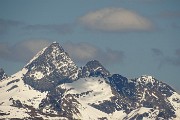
(52, 86)
(49, 68)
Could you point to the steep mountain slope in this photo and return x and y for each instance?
(51, 86)
(17, 98)
(50, 67)
(73, 99)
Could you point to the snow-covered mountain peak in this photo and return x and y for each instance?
(2, 74)
(54, 49)
(51, 65)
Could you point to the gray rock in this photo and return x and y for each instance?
(2, 74)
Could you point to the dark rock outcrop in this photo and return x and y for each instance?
(2, 74)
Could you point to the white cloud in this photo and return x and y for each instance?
(115, 20)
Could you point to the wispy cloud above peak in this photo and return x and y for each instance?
(115, 20)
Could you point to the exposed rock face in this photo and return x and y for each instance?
(2, 74)
(50, 67)
(146, 92)
(59, 104)
(94, 68)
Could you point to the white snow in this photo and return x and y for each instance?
(64, 104)
(146, 79)
(152, 114)
(92, 90)
(117, 115)
(22, 92)
(89, 113)
(154, 95)
(75, 75)
(144, 93)
(97, 89)
(97, 68)
(37, 75)
(48, 110)
(13, 112)
(174, 99)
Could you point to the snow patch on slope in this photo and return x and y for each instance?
(22, 92)
(37, 75)
(175, 102)
(13, 112)
(146, 79)
(151, 114)
(90, 113)
(90, 90)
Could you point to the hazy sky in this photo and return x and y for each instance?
(129, 37)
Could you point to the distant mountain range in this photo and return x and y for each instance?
(52, 86)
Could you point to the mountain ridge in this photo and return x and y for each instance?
(52, 86)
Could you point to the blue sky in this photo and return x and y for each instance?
(129, 37)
